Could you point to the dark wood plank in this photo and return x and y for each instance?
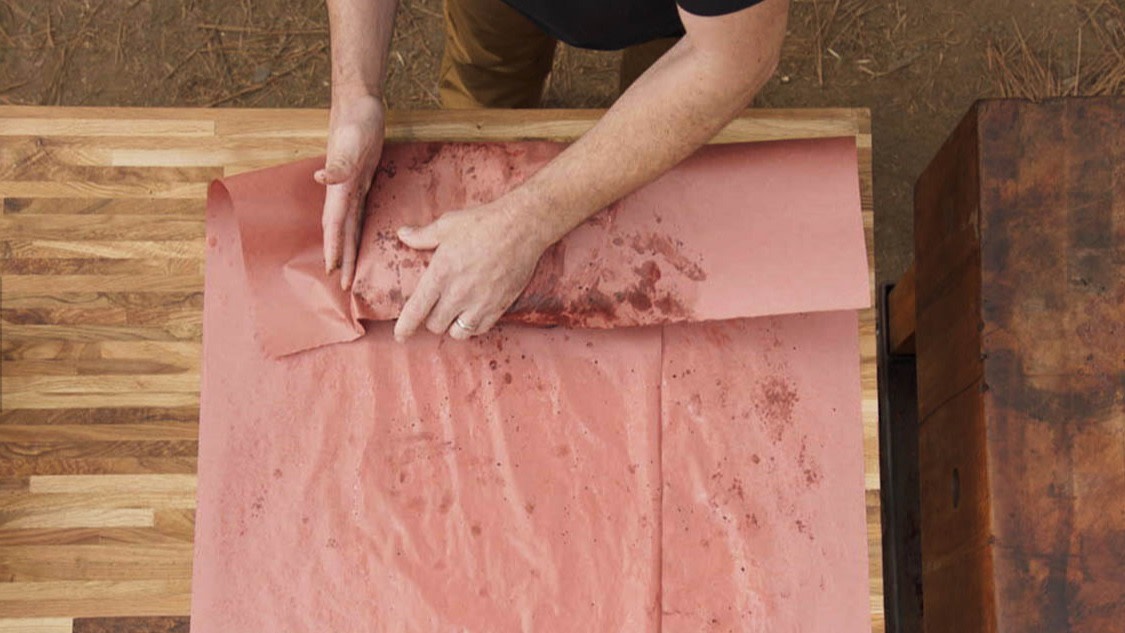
(186, 209)
(29, 466)
(947, 270)
(955, 515)
(901, 314)
(132, 625)
(93, 266)
(83, 449)
(142, 415)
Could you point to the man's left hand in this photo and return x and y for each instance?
(483, 258)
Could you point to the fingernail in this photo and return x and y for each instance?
(405, 230)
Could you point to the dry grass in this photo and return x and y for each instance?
(854, 41)
(1041, 69)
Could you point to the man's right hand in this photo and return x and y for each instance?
(355, 143)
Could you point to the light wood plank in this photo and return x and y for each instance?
(96, 366)
(36, 625)
(17, 284)
(62, 385)
(113, 484)
(135, 249)
(38, 563)
(104, 126)
(176, 523)
(81, 227)
(95, 598)
(84, 189)
(93, 536)
(77, 518)
(30, 503)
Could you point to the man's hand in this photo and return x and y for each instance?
(355, 143)
(483, 259)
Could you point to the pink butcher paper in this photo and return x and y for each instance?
(664, 462)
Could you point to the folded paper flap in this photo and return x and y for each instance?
(296, 306)
(734, 231)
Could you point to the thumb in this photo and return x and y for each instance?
(343, 159)
(338, 170)
(425, 238)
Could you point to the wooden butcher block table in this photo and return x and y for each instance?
(1014, 312)
(101, 295)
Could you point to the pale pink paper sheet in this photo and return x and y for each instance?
(728, 233)
(689, 477)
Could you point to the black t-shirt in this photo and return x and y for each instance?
(614, 24)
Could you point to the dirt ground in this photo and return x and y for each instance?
(918, 64)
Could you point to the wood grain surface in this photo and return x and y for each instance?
(1020, 280)
(101, 291)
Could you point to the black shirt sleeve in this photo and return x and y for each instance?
(714, 7)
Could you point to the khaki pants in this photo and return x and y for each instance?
(496, 58)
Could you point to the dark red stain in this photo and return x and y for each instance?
(671, 252)
(507, 378)
(258, 507)
(446, 503)
(386, 169)
(545, 302)
(542, 303)
(640, 295)
(803, 528)
(397, 257)
(775, 398)
(429, 152)
(808, 465)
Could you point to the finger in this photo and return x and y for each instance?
(485, 322)
(350, 246)
(337, 201)
(441, 317)
(460, 333)
(417, 307)
(423, 238)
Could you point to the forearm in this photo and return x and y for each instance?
(361, 36)
(673, 109)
